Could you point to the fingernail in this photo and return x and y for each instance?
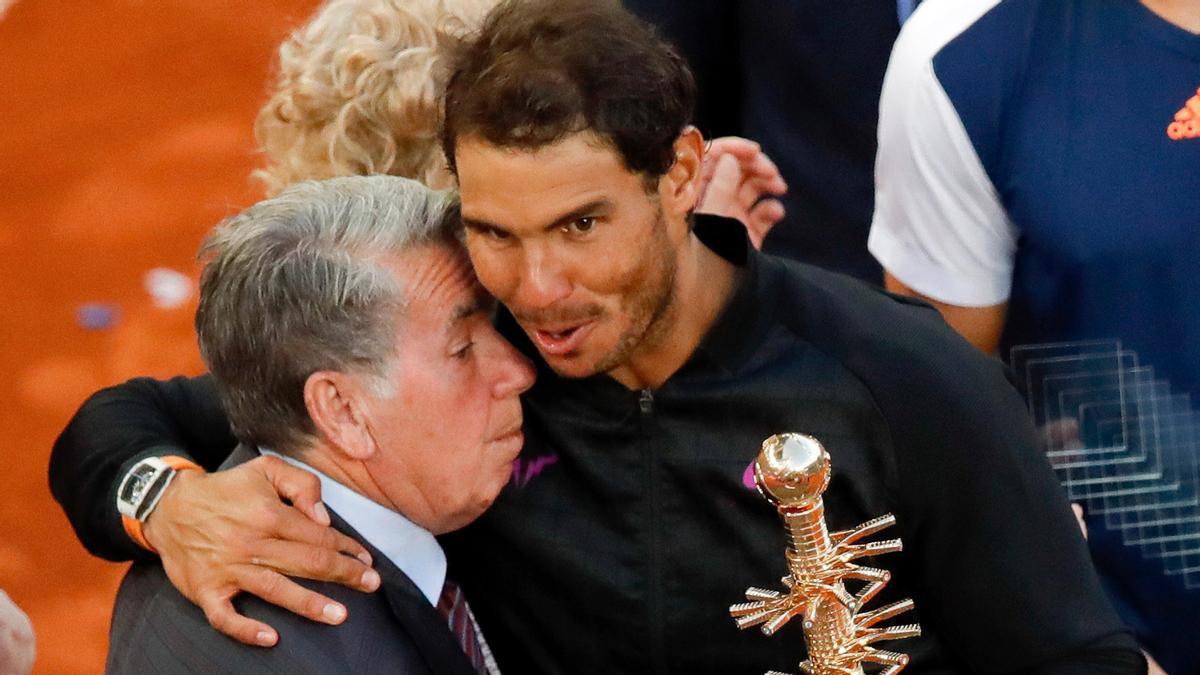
(265, 638)
(370, 580)
(322, 513)
(334, 613)
(364, 557)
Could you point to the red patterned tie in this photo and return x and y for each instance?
(452, 605)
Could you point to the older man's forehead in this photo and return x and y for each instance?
(439, 279)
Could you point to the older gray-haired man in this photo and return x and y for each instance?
(348, 335)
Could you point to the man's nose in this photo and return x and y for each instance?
(514, 373)
(542, 281)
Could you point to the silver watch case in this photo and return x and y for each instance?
(142, 487)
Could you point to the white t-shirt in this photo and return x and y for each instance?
(939, 226)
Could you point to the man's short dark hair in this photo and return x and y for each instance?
(541, 70)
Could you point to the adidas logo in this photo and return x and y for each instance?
(1187, 120)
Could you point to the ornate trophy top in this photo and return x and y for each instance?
(792, 470)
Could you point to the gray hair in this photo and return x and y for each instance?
(294, 285)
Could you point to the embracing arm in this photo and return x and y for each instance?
(218, 534)
(114, 429)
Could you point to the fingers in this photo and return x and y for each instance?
(303, 489)
(279, 590)
(730, 193)
(319, 561)
(298, 486)
(763, 217)
(224, 618)
(748, 194)
(720, 197)
(753, 162)
(766, 213)
(742, 148)
(291, 528)
(745, 154)
(753, 199)
(229, 532)
(762, 170)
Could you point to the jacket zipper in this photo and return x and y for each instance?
(658, 663)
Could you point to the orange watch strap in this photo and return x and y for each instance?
(133, 526)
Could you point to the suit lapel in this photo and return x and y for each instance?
(421, 621)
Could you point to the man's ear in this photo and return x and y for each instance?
(336, 403)
(680, 189)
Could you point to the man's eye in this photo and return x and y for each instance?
(580, 225)
(464, 351)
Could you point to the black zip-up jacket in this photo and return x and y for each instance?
(630, 525)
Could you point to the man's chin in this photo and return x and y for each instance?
(571, 368)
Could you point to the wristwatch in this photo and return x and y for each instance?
(142, 488)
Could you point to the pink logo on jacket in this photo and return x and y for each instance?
(525, 470)
(748, 476)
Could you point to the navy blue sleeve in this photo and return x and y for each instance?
(115, 428)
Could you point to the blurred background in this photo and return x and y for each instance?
(125, 134)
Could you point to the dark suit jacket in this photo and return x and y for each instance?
(394, 630)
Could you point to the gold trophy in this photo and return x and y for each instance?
(792, 472)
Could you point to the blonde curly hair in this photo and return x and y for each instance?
(359, 91)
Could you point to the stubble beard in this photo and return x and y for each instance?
(652, 309)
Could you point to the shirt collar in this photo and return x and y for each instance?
(739, 328)
(411, 548)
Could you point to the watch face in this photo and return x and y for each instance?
(135, 488)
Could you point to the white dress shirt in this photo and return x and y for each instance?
(410, 547)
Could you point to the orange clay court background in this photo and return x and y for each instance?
(125, 134)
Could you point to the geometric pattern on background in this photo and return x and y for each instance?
(1122, 442)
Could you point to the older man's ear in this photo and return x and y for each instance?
(336, 403)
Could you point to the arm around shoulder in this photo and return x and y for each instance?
(114, 429)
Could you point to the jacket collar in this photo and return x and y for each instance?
(740, 326)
